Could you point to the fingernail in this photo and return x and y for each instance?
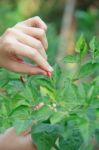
(49, 74)
(50, 69)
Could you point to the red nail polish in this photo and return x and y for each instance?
(49, 74)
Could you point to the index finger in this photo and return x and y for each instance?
(36, 22)
(32, 54)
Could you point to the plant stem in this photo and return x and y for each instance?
(56, 147)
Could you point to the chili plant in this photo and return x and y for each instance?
(61, 116)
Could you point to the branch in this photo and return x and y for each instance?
(66, 32)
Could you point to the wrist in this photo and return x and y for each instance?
(1, 141)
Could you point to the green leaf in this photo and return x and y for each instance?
(27, 94)
(81, 46)
(87, 129)
(4, 109)
(97, 135)
(22, 125)
(6, 76)
(46, 92)
(90, 92)
(89, 146)
(71, 59)
(94, 46)
(44, 82)
(72, 138)
(81, 92)
(68, 94)
(58, 116)
(45, 135)
(84, 129)
(56, 75)
(21, 112)
(88, 69)
(42, 114)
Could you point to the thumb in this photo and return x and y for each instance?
(29, 143)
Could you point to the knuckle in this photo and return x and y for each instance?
(42, 33)
(8, 44)
(19, 25)
(37, 17)
(9, 31)
(39, 45)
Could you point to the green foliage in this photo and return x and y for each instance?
(72, 58)
(81, 46)
(45, 135)
(94, 46)
(86, 22)
(53, 44)
(62, 117)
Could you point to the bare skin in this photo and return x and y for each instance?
(25, 39)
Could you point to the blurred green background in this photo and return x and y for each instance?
(84, 19)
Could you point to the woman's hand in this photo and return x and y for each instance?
(11, 141)
(25, 39)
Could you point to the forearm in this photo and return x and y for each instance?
(1, 142)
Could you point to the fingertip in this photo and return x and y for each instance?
(43, 26)
(41, 23)
(49, 74)
(46, 27)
